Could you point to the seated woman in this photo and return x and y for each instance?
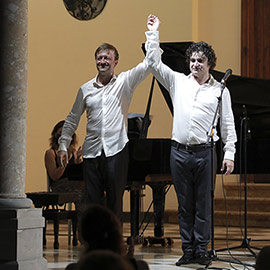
(100, 229)
(58, 176)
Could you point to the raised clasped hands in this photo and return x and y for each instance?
(153, 23)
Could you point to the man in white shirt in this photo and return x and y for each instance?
(106, 100)
(195, 99)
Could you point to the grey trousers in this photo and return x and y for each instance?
(191, 174)
(106, 175)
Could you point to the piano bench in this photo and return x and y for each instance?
(156, 178)
(135, 185)
(56, 215)
(50, 202)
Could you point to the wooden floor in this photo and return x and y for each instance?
(159, 257)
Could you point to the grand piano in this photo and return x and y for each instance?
(250, 100)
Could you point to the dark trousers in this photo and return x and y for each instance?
(191, 174)
(106, 174)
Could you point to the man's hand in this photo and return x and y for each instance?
(153, 23)
(62, 158)
(228, 165)
(78, 155)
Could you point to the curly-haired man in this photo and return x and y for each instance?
(195, 99)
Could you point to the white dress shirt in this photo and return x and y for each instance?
(106, 110)
(194, 104)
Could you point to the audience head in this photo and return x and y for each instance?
(56, 133)
(104, 260)
(101, 229)
(263, 259)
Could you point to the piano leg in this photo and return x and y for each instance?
(158, 191)
(135, 205)
(74, 230)
(135, 212)
(56, 232)
(44, 233)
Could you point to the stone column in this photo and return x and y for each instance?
(20, 224)
(13, 102)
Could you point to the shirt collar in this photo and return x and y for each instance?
(99, 85)
(211, 81)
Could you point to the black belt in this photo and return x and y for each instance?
(192, 147)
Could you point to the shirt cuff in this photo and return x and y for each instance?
(62, 147)
(152, 35)
(229, 155)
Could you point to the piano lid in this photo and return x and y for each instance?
(249, 96)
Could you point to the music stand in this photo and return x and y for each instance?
(245, 242)
(210, 139)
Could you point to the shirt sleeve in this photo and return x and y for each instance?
(227, 127)
(72, 122)
(164, 74)
(137, 74)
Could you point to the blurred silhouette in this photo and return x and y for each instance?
(100, 229)
(263, 259)
(104, 260)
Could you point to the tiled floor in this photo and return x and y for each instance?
(159, 257)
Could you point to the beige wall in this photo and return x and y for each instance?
(219, 24)
(61, 59)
